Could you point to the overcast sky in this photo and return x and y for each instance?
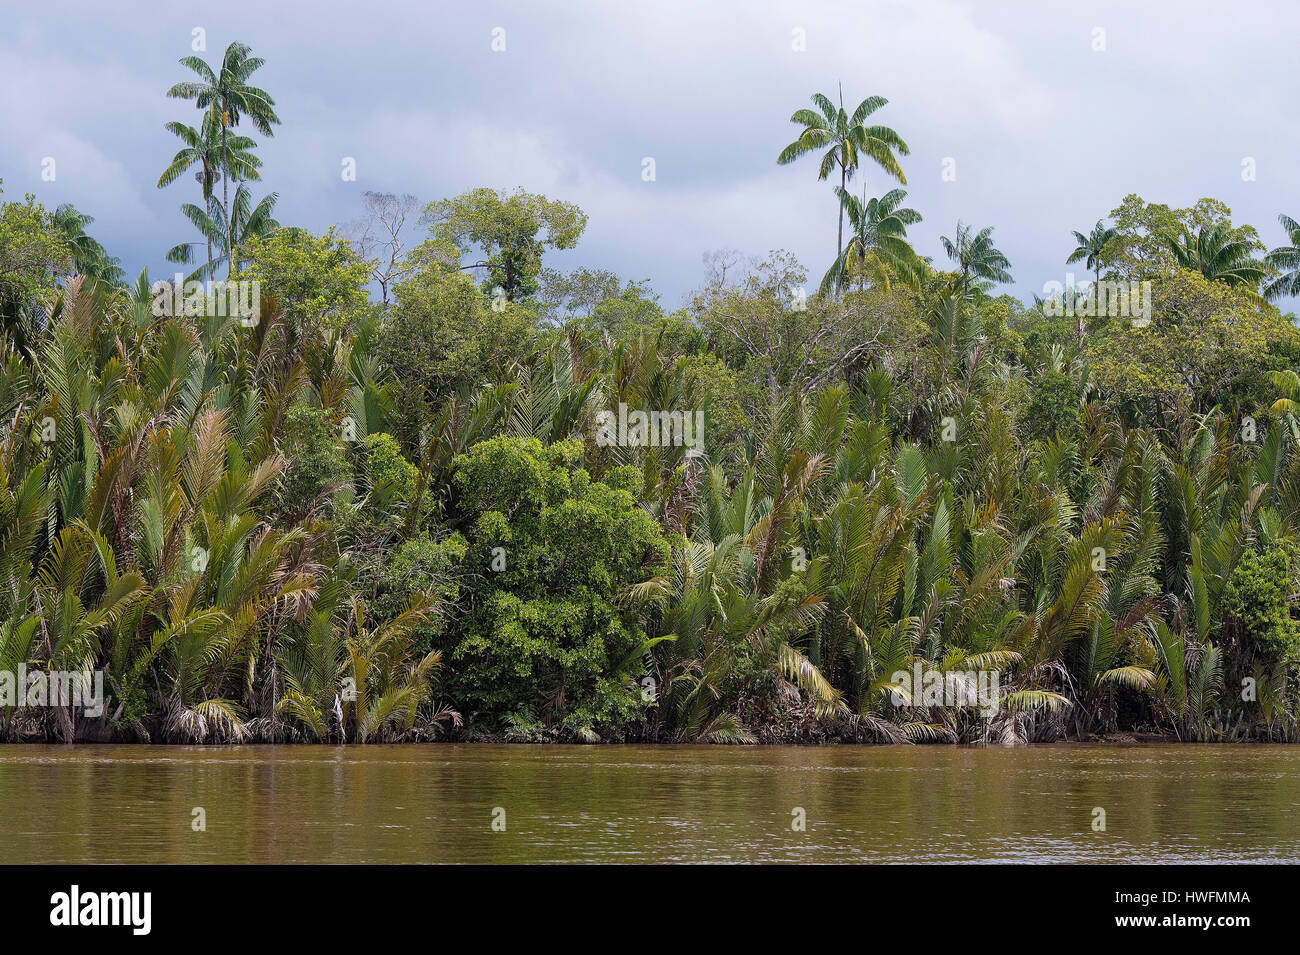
(1047, 132)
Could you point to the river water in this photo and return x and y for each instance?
(439, 803)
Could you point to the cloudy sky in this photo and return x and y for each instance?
(1050, 111)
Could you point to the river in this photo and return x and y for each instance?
(495, 804)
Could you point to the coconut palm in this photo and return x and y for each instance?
(877, 242)
(1286, 259)
(227, 93)
(976, 256)
(845, 139)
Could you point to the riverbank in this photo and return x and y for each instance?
(763, 739)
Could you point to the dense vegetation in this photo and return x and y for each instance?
(355, 516)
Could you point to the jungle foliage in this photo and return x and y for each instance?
(342, 520)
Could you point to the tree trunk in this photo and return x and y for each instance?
(209, 241)
(225, 195)
(1096, 303)
(839, 243)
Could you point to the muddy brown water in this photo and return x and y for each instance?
(425, 803)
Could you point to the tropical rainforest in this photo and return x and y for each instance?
(376, 508)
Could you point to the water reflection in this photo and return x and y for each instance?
(434, 803)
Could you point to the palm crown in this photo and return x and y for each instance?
(1218, 256)
(202, 148)
(247, 221)
(1286, 259)
(1091, 247)
(228, 90)
(88, 257)
(877, 239)
(976, 255)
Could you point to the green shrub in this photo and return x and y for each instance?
(1257, 598)
(555, 551)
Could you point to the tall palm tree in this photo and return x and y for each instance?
(247, 222)
(1091, 249)
(845, 139)
(1214, 253)
(203, 148)
(877, 231)
(1285, 258)
(228, 93)
(976, 255)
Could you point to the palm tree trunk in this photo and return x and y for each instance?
(1096, 292)
(1096, 301)
(209, 239)
(839, 243)
(225, 195)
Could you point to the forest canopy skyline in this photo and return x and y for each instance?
(994, 104)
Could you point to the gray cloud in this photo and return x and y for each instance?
(1047, 134)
